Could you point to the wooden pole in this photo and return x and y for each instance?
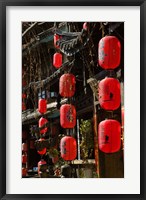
(96, 136)
(78, 139)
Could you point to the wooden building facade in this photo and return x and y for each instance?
(78, 45)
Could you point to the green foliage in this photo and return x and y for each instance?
(59, 163)
(52, 152)
(95, 175)
(87, 143)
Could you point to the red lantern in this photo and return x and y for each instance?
(85, 27)
(109, 136)
(109, 52)
(43, 121)
(43, 151)
(41, 162)
(24, 171)
(24, 158)
(23, 106)
(56, 38)
(57, 60)
(67, 85)
(109, 93)
(68, 148)
(24, 147)
(67, 116)
(23, 96)
(42, 106)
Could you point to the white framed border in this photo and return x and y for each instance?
(130, 184)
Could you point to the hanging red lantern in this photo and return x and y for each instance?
(109, 136)
(41, 162)
(24, 171)
(68, 148)
(24, 147)
(56, 38)
(85, 27)
(23, 96)
(109, 52)
(109, 94)
(43, 151)
(57, 60)
(67, 116)
(42, 106)
(24, 158)
(43, 121)
(23, 106)
(67, 85)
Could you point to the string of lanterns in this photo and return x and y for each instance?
(42, 108)
(24, 154)
(68, 146)
(67, 112)
(109, 130)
